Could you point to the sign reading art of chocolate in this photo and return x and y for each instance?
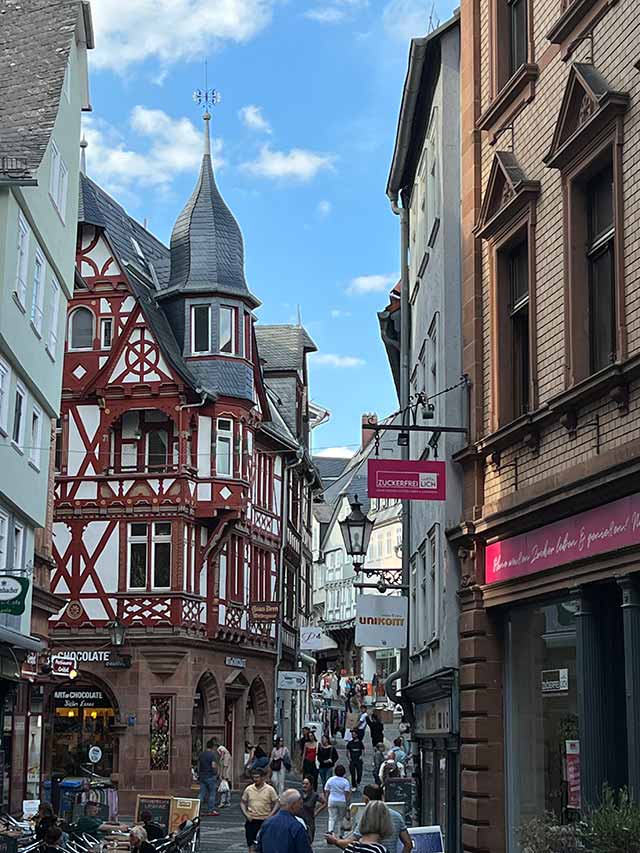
(81, 699)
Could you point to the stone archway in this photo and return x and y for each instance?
(206, 722)
(258, 725)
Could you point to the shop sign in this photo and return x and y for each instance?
(587, 534)
(80, 699)
(264, 611)
(314, 639)
(292, 680)
(434, 718)
(30, 666)
(407, 480)
(63, 662)
(238, 663)
(95, 754)
(555, 680)
(381, 621)
(574, 790)
(13, 592)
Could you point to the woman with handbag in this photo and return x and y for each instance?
(279, 764)
(327, 758)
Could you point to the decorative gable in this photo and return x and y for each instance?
(139, 360)
(589, 105)
(95, 258)
(508, 191)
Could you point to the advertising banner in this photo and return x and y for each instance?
(407, 480)
(381, 621)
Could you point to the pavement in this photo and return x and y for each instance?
(225, 834)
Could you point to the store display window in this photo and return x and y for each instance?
(83, 717)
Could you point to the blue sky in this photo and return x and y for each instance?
(302, 142)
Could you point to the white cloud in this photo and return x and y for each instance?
(334, 11)
(337, 313)
(298, 163)
(372, 283)
(339, 452)
(329, 359)
(130, 31)
(324, 207)
(168, 146)
(251, 116)
(407, 19)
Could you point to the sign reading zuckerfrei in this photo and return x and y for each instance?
(407, 480)
(381, 621)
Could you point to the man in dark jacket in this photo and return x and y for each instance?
(285, 832)
(355, 748)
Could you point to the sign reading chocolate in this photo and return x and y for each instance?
(596, 531)
(407, 480)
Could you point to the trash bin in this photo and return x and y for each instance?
(69, 789)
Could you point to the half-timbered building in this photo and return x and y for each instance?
(172, 464)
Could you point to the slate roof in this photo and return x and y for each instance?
(330, 467)
(35, 41)
(207, 252)
(283, 347)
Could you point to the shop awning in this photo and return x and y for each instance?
(20, 641)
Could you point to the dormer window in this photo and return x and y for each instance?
(227, 330)
(200, 329)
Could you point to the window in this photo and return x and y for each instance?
(23, 260)
(36, 436)
(600, 264)
(431, 362)
(518, 36)
(433, 592)
(224, 447)
(58, 181)
(5, 380)
(155, 540)
(518, 261)
(4, 530)
(54, 307)
(200, 329)
(157, 449)
(18, 415)
(18, 547)
(415, 619)
(247, 336)
(57, 462)
(162, 555)
(81, 329)
(138, 556)
(227, 330)
(433, 181)
(37, 301)
(106, 329)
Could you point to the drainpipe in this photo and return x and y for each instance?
(203, 400)
(402, 674)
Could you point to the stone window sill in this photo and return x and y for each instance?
(519, 90)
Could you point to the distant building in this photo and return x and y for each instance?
(43, 91)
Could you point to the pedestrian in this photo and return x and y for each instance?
(309, 759)
(209, 778)
(327, 758)
(355, 750)
(280, 763)
(154, 830)
(362, 725)
(376, 728)
(300, 745)
(372, 793)
(312, 804)
(139, 841)
(257, 803)
(338, 792)
(375, 825)
(44, 819)
(399, 751)
(390, 769)
(258, 760)
(225, 763)
(285, 832)
(378, 760)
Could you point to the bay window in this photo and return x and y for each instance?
(227, 330)
(200, 329)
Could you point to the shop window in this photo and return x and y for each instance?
(149, 555)
(227, 330)
(160, 733)
(200, 329)
(224, 447)
(81, 329)
(83, 717)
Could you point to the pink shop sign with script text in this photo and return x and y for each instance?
(597, 531)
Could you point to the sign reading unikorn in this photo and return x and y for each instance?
(381, 621)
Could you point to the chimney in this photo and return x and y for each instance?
(368, 433)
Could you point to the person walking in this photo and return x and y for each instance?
(375, 825)
(285, 832)
(280, 762)
(355, 750)
(224, 763)
(309, 759)
(312, 804)
(361, 728)
(209, 778)
(378, 760)
(338, 791)
(399, 751)
(257, 803)
(372, 793)
(376, 728)
(327, 758)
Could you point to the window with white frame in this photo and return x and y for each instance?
(423, 597)
(431, 363)
(227, 336)
(57, 458)
(414, 617)
(433, 180)
(81, 329)
(36, 436)
(224, 447)
(149, 555)
(106, 332)
(18, 547)
(433, 594)
(58, 181)
(54, 308)
(17, 433)
(4, 533)
(37, 301)
(5, 381)
(23, 260)
(200, 329)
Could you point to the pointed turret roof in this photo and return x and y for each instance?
(207, 252)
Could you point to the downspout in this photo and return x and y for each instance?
(402, 674)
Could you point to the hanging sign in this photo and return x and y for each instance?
(407, 480)
(574, 792)
(312, 638)
(381, 621)
(13, 592)
(292, 680)
(264, 611)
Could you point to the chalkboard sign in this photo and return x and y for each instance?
(402, 790)
(159, 807)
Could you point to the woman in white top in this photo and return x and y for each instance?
(338, 790)
(278, 764)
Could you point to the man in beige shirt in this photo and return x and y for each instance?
(257, 803)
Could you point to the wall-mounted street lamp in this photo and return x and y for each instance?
(356, 531)
(117, 633)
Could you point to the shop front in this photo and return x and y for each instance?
(83, 717)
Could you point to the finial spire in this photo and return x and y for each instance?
(83, 156)
(207, 139)
(206, 98)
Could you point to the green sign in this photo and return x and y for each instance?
(13, 592)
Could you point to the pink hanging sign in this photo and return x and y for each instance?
(606, 528)
(407, 480)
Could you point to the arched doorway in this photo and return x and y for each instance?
(258, 726)
(206, 722)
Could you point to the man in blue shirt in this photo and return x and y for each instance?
(285, 832)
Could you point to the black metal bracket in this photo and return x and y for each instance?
(496, 461)
(381, 586)
(415, 428)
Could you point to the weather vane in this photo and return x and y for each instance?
(206, 97)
